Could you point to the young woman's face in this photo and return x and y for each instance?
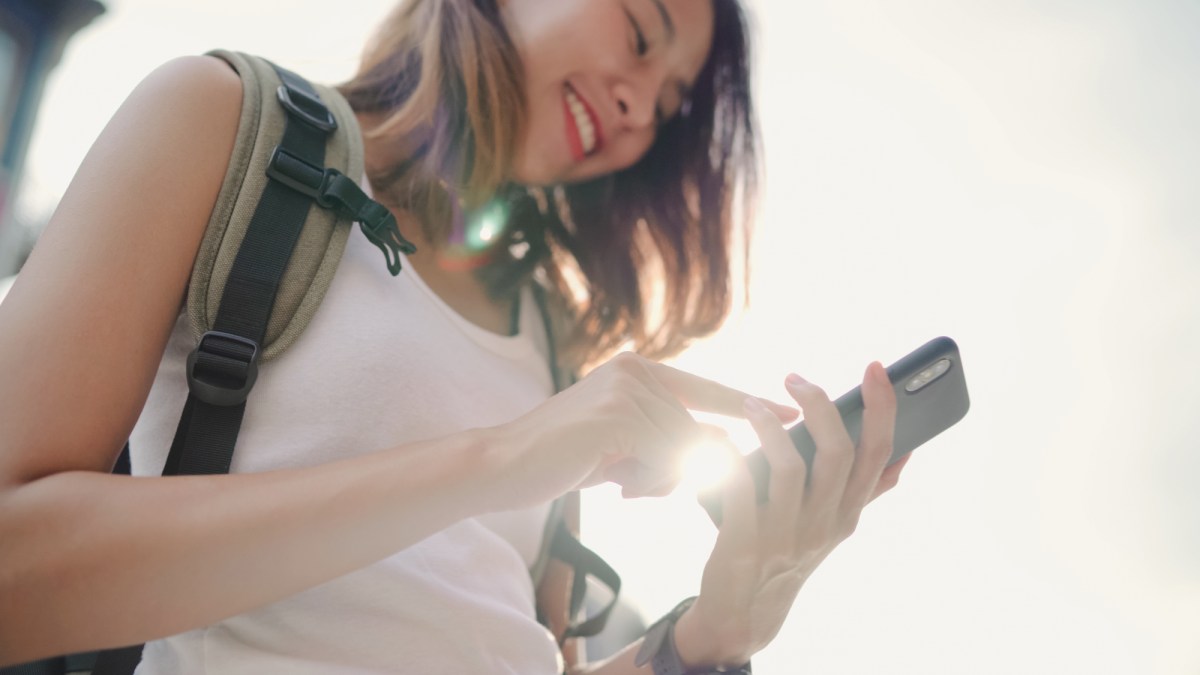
(600, 77)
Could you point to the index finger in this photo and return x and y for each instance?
(704, 395)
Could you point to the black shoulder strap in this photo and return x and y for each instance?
(222, 369)
(539, 297)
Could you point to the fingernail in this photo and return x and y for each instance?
(754, 406)
(795, 380)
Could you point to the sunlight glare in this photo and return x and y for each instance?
(706, 465)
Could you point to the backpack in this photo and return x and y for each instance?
(264, 264)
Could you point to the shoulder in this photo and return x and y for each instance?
(193, 80)
(173, 135)
(196, 98)
(162, 158)
(117, 253)
(190, 101)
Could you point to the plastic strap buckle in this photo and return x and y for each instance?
(380, 224)
(376, 220)
(223, 368)
(306, 108)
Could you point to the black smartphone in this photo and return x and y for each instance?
(931, 396)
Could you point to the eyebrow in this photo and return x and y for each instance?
(668, 23)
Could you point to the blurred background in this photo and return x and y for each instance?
(1018, 175)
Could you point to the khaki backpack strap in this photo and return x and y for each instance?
(323, 238)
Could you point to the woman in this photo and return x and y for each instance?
(393, 472)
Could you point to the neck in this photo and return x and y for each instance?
(457, 287)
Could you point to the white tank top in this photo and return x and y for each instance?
(384, 362)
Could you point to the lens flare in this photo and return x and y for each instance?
(470, 244)
(485, 225)
(707, 465)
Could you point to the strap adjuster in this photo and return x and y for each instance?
(223, 368)
(307, 108)
(301, 176)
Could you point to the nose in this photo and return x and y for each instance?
(636, 100)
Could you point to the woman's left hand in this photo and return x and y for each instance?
(765, 552)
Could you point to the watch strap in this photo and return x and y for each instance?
(659, 650)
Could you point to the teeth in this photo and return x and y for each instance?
(587, 132)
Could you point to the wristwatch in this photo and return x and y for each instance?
(658, 648)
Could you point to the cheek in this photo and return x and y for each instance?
(630, 149)
(554, 37)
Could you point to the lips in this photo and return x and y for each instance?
(584, 134)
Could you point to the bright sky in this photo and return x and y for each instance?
(1018, 175)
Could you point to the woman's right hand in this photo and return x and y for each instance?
(626, 422)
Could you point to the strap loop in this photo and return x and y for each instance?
(306, 108)
(223, 368)
(298, 174)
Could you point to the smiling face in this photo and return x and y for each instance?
(600, 77)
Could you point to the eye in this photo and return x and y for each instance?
(640, 46)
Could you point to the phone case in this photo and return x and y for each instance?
(921, 414)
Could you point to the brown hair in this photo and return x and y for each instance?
(640, 257)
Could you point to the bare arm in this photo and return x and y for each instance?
(172, 554)
(81, 334)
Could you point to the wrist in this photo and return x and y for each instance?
(457, 471)
(697, 644)
(499, 455)
(515, 479)
(701, 644)
(662, 649)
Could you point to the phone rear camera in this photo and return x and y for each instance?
(928, 375)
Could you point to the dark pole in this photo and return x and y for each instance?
(33, 35)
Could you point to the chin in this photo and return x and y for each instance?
(541, 163)
(537, 174)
